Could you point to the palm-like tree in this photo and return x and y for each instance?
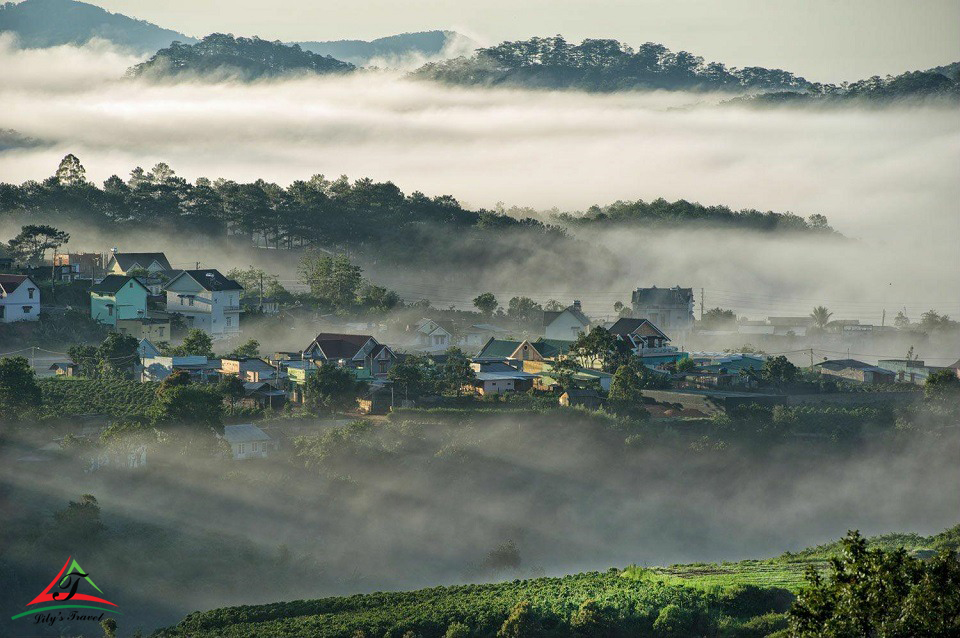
(821, 316)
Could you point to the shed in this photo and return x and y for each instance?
(247, 441)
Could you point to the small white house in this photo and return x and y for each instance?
(19, 299)
(566, 324)
(247, 441)
(123, 263)
(430, 336)
(207, 300)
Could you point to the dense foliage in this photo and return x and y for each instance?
(114, 397)
(912, 85)
(316, 212)
(226, 56)
(660, 212)
(602, 65)
(872, 592)
(590, 604)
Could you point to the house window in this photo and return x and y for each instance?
(30, 292)
(160, 331)
(27, 309)
(109, 310)
(229, 321)
(383, 366)
(190, 301)
(3, 312)
(241, 448)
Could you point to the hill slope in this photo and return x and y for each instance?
(47, 23)
(602, 65)
(220, 55)
(424, 44)
(629, 602)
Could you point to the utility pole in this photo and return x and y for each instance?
(883, 319)
(53, 277)
(261, 292)
(811, 357)
(198, 265)
(701, 304)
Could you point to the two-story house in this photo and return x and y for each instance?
(669, 308)
(566, 324)
(646, 341)
(207, 300)
(118, 297)
(359, 352)
(19, 299)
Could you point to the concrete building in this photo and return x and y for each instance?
(671, 309)
(207, 300)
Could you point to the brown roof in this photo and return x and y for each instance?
(641, 327)
(9, 283)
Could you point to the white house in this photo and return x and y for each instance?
(430, 336)
(247, 441)
(207, 300)
(669, 308)
(19, 299)
(566, 324)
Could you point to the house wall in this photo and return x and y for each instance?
(215, 312)
(152, 330)
(496, 387)
(565, 327)
(130, 302)
(250, 450)
(13, 304)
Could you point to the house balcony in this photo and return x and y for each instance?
(231, 308)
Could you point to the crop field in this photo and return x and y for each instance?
(788, 575)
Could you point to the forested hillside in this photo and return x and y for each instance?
(603, 65)
(362, 215)
(48, 23)
(907, 86)
(219, 55)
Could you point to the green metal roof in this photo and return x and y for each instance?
(498, 349)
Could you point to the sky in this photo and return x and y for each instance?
(823, 40)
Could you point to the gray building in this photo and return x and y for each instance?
(670, 309)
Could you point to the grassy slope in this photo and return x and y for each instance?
(741, 596)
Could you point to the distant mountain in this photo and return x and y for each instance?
(602, 65)
(224, 56)
(47, 23)
(425, 45)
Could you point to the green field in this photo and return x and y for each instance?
(743, 599)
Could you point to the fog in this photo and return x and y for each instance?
(418, 505)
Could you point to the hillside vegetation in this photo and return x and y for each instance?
(224, 56)
(49, 23)
(678, 601)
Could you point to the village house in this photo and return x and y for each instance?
(853, 370)
(247, 441)
(200, 368)
(566, 324)
(64, 369)
(252, 370)
(377, 400)
(430, 335)
(477, 334)
(908, 370)
(539, 350)
(646, 341)
(500, 378)
(74, 266)
(357, 352)
(582, 397)
(118, 297)
(207, 300)
(19, 299)
(669, 308)
(157, 328)
(123, 263)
